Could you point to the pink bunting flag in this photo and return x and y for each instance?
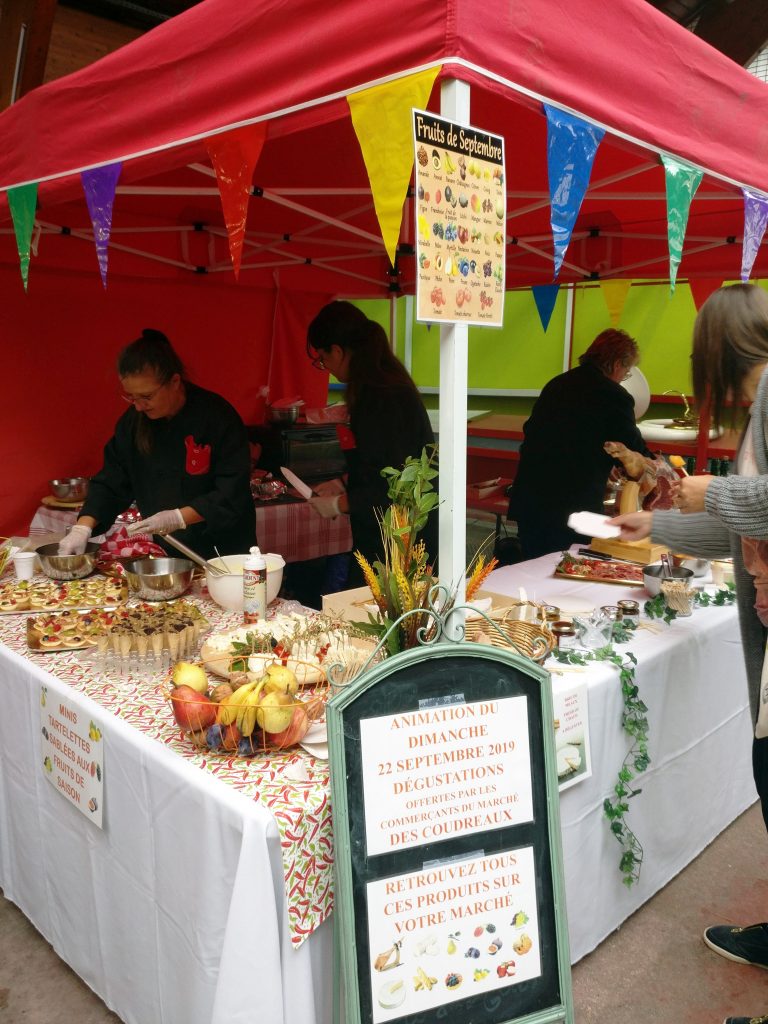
(234, 156)
(22, 201)
(755, 220)
(99, 184)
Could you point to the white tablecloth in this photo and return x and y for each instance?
(175, 913)
(691, 675)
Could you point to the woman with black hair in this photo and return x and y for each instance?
(387, 419)
(180, 452)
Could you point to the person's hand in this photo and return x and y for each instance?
(689, 492)
(634, 525)
(326, 505)
(76, 540)
(327, 487)
(161, 522)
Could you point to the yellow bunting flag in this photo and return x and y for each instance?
(234, 156)
(382, 120)
(615, 294)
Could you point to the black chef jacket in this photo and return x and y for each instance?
(199, 457)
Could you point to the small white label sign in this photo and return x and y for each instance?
(72, 753)
(440, 772)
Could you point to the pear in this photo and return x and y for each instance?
(280, 679)
(275, 712)
(187, 674)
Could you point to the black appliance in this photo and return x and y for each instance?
(312, 451)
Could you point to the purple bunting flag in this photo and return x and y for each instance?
(545, 296)
(99, 185)
(755, 220)
(571, 147)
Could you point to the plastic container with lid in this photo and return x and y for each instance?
(254, 587)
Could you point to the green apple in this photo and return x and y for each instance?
(280, 679)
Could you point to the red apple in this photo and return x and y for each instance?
(192, 710)
(295, 732)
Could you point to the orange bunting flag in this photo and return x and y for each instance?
(234, 156)
(383, 123)
(702, 288)
(615, 293)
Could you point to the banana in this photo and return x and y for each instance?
(230, 707)
(247, 723)
(245, 693)
(450, 166)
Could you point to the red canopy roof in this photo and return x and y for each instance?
(651, 84)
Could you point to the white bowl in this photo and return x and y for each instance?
(227, 590)
(652, 575)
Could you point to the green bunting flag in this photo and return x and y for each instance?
(682, 182)
(22, 201)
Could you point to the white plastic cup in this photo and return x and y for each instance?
(24, 564)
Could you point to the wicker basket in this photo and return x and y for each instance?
(528, 638)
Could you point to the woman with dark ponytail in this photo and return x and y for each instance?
(180, 452)
(387, 419)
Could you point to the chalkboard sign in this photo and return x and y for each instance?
(449, 893)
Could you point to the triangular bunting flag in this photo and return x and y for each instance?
(682, 182)
(545, 296)
(571, 147)
(755, 220)
(702, 288)
(234, 156)
(381, 117)
(99, 185)
(615, 293)
(22, 201)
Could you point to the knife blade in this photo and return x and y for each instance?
(304, 489)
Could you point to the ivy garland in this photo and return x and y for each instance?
(634, 721)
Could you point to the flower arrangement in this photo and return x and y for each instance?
(403, 584)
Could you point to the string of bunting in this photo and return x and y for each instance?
(381, 117)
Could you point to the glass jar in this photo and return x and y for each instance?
(564, 633)
(611, 611)
(630, 610)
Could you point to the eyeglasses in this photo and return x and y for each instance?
(318, 363)
(134, 399)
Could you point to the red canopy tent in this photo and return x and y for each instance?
(652, 85)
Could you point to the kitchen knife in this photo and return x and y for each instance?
(304, 489)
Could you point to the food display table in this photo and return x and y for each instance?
(691, 676)
(205, 898)
(293, 530)
(194, 902)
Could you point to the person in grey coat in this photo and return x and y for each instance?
(718, 517)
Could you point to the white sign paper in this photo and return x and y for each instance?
(569, 704)
(457, 928)
(445, 771)
(72, 753)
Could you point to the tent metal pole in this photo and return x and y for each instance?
(454, 348)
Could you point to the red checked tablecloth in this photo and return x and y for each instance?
(294, 531)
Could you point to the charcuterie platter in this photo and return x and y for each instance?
(596, 570)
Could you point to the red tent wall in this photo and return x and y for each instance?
(61, 395)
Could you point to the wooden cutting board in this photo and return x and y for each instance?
(642, 551)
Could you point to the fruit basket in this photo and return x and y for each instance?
(530, 639)
(246, 714)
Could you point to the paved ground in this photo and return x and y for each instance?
(654, 970)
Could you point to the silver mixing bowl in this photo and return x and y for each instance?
(66, 567)
(158, 579)
(73, 488)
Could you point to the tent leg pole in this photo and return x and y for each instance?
(454, 347)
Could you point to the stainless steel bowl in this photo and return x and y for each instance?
(73, 488)
(698, 566)
(653, 575)
(283, 414)
(66, 567)
(158, 579)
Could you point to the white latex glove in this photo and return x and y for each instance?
(76, 540)
(326, 506)
(161, 522)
